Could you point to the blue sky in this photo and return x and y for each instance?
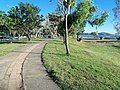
(47, 7)
(102, 5)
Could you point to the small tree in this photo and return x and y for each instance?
(79, 16)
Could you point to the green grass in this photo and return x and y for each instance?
(91, 66)
(23, 41)
(5, 48)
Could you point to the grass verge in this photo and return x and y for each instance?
(91, 66)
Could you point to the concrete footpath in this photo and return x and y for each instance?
(10, 68)
(35, 76)
(23, 69)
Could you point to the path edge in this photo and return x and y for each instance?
(48, 72)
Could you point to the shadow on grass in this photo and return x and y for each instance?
(58, 43)
(27, 52)
(21, 41)
(116, 46)
(60, 54)
(58, 40)
(18, 42)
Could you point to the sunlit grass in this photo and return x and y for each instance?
(10, 45)
(5, 48)
(91, 66)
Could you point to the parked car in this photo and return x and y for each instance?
(6, 37)
(118, 37)
(104, 35)
(87, 36)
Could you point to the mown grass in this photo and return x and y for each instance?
(5, 48)
(22, 41)
(10, 45)
(91, 66)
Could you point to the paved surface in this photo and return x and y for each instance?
(31, 75)
(10, 78)
(35, 76)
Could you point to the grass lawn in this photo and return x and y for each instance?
(23, 41)
(5, 48)
(91, 67)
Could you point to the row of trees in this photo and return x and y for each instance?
(20, 20)
(69, 17)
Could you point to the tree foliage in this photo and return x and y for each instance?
(54, 20)
(26, 17)
(6, 24)
(77, 17)
(85, 12)
(117, 16)
(100, 20)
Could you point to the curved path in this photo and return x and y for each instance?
(23, 69)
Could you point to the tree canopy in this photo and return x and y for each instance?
(6, 24)
(26, 17)
(83, 13)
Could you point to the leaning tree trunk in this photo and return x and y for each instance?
(66, 27)
(66, 35)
